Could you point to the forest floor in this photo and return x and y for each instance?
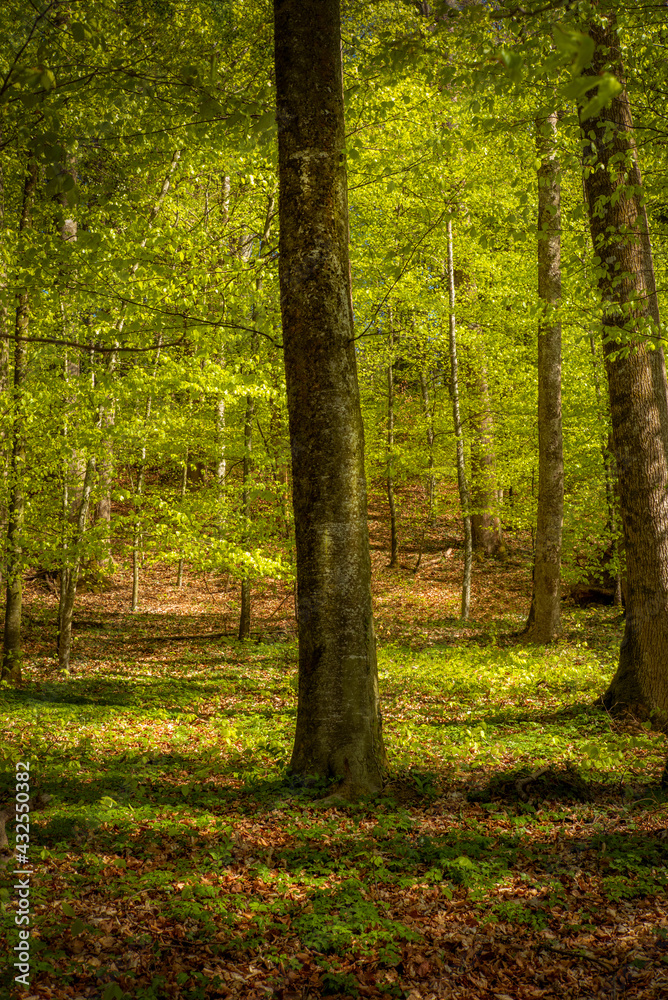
(519, 849)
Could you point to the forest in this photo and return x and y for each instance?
(334, 499)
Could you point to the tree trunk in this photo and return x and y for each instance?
(545, 612)
(139, 492)
(245, 250)
(184, 485)
(11, 661)
(464, 498)
(485, 524)
(338, 718)
(637, 385)
(245, 612)
(428, 410)
(107, 413)
(390, 450)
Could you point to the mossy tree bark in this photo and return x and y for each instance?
(545, 612)
(637, 384)
(338, 718)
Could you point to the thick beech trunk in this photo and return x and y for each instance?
(338, 717)
(637, 385)
(464, 498)
(11, 661)
(545, 612)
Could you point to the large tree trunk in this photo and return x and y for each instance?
(637, 385)
(464, 498)
(11, 661)
(338, 718)
(545, 612)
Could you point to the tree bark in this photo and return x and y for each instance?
(107, 413)
(544, 620)
(245, 596)
(184, 486)
(485, 524)
(338, 718)
(394, 545)
(464, 498)
(428, 411)
(637, 385)
(11, 661)
(139, 492)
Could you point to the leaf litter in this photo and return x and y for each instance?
(518, 850)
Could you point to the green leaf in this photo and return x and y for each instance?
(68, 911)
(608, 88)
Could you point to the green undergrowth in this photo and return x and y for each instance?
(163, 773)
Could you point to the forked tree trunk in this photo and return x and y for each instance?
(338, 718)
(545, 612)
(464, 498)
(11, 661)
(637, 384)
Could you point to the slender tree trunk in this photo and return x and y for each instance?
(5, 380)
(245, 612)
(70, 571)
(390, 450)
(485, 524)
(139, 492)
(637, 385)
(545, 612)
(184, 486)
(11, 662)
(107, 416)
(428, 410)
(462, 483)
(338, 717)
